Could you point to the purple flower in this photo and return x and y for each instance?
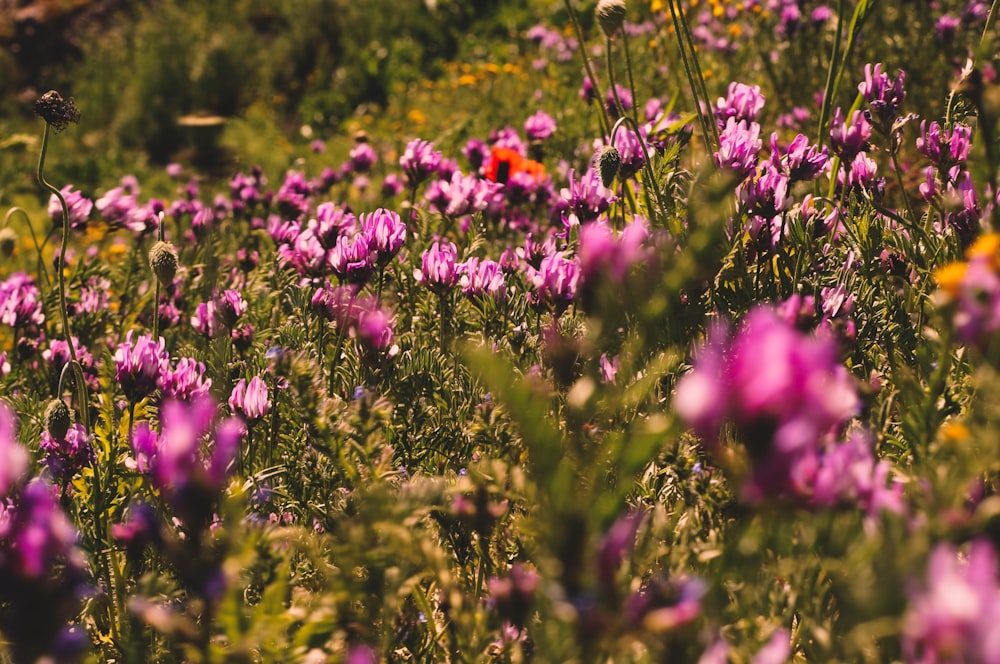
(385, 232)
(139, 364)
(955, 615)
(391, 186)
(539, 126)
(555, 282)
(229, 307)
(79, 207)
(352, 258)
(250, 399)
(13, 457)
(438, 269)
(884, 96)
(800, 161)
(374, 331)
(663, 604)
(190, 458)
(20, 302)
(783, 391)
(942, 147)
(67, 456)
(363, 157)
(476, 152)
(624, 95)
(739, 146)
(742, 102)
(848, 138)
(419, 161)
(585, 198)
(514, 595)
(462, 195)
(186, 381)
(482, 278)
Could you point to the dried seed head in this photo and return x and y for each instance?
(8, 241)
(58, 419)
(163, 262)
(56, 111)
(610, 16)
(608, 160)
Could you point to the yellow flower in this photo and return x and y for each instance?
(955, 432)
(949, 278)
(986, 246)
(656, 5)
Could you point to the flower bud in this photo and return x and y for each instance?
(608, 160)
(8, 241)
(610, 16)
(58, 419)
(163, 262)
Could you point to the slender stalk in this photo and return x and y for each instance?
(42, 271)
(824, 112)
(605, 122)
(706, 131)
(60, 268)
(631, 79)
(647, 166)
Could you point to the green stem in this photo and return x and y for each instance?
(42, 271)
(60, 268)
(707, 132)
(631, 79)
(605, 122)
(824, 113)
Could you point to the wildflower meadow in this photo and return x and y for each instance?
(557, 331)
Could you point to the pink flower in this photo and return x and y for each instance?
(250, 399)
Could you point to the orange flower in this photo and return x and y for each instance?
(505, 162)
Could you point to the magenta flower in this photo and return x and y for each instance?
(385, 233)
(942, 147)
(585, 198)
(363, 157)
(848, 138)
(66, 457)
(800, 161)
(352, 258)
(79, 207)
(189, 460)
(481, 278)
(374, 332)
(139, 364)
(539, 126)
(955, 615)
(250, 399)
(13, 456)
(739, 146)
(438, 269)
(555, 282)
(186, 381)
(419, 161)
(785, 393)
(742, 102)
(20, 302)
(884, 96)
(229, 307)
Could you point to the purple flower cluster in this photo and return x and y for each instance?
(439, 270)
(335, 242)
(955, 615)
(190, 458)
(21, 302)
(788, 398)
(139, 363)
(79, 207)
(42, 570)
(66, 456)
(250, 400)
(361, 316)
